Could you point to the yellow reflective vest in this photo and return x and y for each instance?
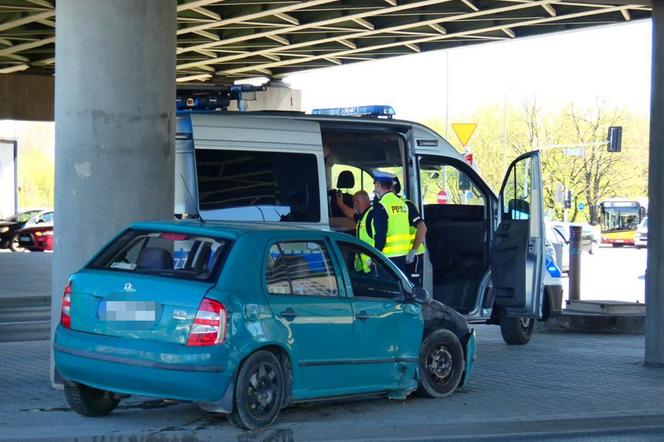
(362, 261)
(413, 230)
(397, 239)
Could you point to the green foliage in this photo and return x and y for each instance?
(592, 176)
(35, 172)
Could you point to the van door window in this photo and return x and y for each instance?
(457, 187)
(257, 186)
(516, 194)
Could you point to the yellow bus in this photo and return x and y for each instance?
(619, 218)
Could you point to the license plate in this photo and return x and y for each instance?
(127, 310)
(24, 238)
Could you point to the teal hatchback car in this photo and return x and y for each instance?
(246, 319)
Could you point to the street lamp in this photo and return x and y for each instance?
(505, 127)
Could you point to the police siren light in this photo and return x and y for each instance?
(374, 111)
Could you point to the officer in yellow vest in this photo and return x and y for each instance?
(361, 212)
(418, 231)
(390, 221)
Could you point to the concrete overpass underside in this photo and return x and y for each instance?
(222, 40)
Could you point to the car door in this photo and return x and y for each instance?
(303, 293)
(387, 330)
(517, 261)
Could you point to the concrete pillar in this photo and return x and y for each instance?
(655, 268)
(115, 120)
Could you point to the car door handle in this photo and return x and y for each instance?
(288, 314)
(362, 316)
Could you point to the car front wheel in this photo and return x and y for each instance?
(259, 391)
(14, 245)
(441, 364)
(88, 401)
(516, 331)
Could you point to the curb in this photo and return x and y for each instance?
(516, 428)
(593, 323)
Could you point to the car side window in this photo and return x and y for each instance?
(300, 268)
(369, 276)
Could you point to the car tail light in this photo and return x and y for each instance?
(65, 314)
(209, 327)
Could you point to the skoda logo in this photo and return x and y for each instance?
(128, 287)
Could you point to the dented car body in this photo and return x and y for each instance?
(245, 319)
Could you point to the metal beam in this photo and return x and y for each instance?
(626, 14)
(242, 18)
(510, 33)
(195, 4)
(287, 18)
(364, 23)
(206, 12)
(345, 38)
(550, 9)
(438, 28)
(471, 5)
(363, 14)
(436, 38)
(25, 46)
(17, 68)
(25, 20)
(197, 77)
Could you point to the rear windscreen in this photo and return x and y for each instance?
(169, 254)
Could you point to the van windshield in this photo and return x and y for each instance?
(169, 254)
(240, 185)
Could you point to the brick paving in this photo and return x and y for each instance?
(567, 378)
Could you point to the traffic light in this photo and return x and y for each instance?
(568, 200)
(614, 142)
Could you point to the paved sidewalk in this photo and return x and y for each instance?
(555, 384)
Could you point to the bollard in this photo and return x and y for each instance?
(575, 263)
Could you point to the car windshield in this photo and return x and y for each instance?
(21, 217)
(169, 254)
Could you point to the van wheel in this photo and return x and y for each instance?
(441, 364)
(259, 391)
(516, 331)
(88, 401)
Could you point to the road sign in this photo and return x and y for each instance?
(581, 206)
(469, 158)
(442, 197)
(464, 131)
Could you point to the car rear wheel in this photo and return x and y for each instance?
(516, 331)
(441, 364)
(259, 391)
(14, 245)
(88, 401)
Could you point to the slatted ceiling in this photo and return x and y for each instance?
(220, 40)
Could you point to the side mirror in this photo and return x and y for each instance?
(420, 295)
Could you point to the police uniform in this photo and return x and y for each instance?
(391, 226)
(364, 232)
(416, 268)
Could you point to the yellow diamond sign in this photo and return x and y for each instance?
(464, 131)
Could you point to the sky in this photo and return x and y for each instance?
(610, 64)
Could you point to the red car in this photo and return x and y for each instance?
(37, 235)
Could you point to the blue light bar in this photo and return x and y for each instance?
(553, 269)
(357, 111)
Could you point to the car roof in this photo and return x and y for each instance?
(231, 229)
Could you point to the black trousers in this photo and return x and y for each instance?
(415, 270)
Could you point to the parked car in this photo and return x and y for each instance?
(590, 238)
(245, 319)
(9, 228)
(559, 246)
(37, 234)
(641, 235)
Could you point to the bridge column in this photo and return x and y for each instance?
(115, 120)
(655, 268)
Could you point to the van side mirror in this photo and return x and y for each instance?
(420, 295)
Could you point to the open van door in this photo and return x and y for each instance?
(517, 262)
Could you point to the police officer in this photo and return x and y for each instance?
(418, 231)
(390, 221)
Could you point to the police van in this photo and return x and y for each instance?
(484, 251)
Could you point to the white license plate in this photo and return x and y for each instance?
(127, 310)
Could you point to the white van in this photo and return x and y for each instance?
(485, 252)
